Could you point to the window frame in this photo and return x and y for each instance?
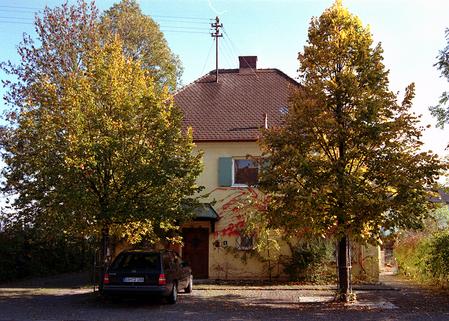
(233, 172)
(241, 247)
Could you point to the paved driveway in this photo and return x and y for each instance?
(398, 300)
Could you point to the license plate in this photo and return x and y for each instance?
(133, 280)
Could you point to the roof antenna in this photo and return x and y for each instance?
(217, 25)
(265, 118)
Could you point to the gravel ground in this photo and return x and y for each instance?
(398, 299)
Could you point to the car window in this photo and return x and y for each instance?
(167, 259)
(140, 261)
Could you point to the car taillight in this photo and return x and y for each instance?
(106, 278)
(162, 280)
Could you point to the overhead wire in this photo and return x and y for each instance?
(20, 7)
(185, 19)
(16, 18)
(179, 17)
(227, 52)
(235, 46)
(229, 44)
(207, 58)
(21, 11)
(181, 27)
(187, 31)
(167, 23)
(16, 22)
(171, 28)
(181, 21)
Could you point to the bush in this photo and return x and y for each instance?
(24, 253)
(410, 251)
(437, 259)
(424, 257)
(311, 261)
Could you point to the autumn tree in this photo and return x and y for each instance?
(93, 139)
(347, 160)
(441, 111)
(143, 41)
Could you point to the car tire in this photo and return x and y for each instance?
(189, 287)
(173, 296)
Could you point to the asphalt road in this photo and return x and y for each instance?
(396, 300)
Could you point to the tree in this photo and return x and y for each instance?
(93, 139)
(441, 111)
(346, 161)
(143, 40)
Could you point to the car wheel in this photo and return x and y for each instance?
(189, 287)
(173, 297)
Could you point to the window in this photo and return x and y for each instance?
(245, 172)
(237, 171)
(137, 261)
(283, 110)
(245, 242)
(167, 261)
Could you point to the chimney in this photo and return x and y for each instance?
(247, 64)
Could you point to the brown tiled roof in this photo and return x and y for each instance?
(233, 108)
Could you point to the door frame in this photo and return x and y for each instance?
(206, 230)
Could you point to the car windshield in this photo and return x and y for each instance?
(137, 261)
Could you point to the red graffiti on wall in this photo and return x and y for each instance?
(234, 206)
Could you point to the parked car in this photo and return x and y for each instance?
(137, 272)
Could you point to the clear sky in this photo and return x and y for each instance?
(411, 32)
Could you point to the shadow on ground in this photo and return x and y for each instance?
(67, 280)
(218, 303)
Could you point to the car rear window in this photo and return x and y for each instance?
(137, 261)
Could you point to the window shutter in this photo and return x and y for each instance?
(225, 171)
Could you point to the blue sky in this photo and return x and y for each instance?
(411, 32)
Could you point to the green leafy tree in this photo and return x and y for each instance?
(441, 111)
(93, 140)
(143, 41)
(346, 162)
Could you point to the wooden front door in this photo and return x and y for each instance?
(196, 251)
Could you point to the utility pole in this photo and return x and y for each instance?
(216, 25)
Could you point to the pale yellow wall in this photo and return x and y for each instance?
(212, 152)
(225, 261)
(365, 263)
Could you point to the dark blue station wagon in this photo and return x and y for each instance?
(138, 272)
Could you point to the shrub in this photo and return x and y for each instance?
(311, 261)
(424, 256)
(437, 259)
(410, 252)
(24, 253)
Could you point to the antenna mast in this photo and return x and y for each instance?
(217, 25)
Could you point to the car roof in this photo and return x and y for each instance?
(146, 251)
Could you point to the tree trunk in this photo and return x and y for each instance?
(344, 270)
(104, 253)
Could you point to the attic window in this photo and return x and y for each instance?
(283, 110)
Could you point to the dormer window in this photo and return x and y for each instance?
(283, 110)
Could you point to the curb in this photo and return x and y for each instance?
(255, 284)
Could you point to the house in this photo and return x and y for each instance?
(226, 114)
